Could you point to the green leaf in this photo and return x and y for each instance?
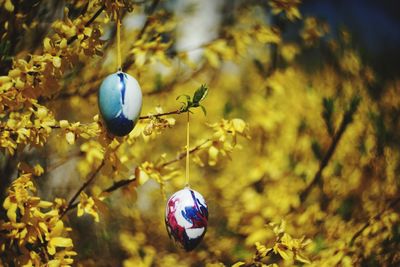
(204, 110)
(184, 95)
(346, 208)
(259, 65)
(316, 148)
(327, 114)
(200, 94)
(348, 116)
(319, 243)
(158, 83)
(355, 101)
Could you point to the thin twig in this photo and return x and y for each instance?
(374, 218)
(128, 63)
(119, 184)
(99, 11)
(96, 81)
(139, 2)
(325, 160)
(182, 155)
(347, 119)
(87, 24)
(146, 117)
(62, 161)
(122, 183)
(4, 127)
(178, 111)
(84, 185)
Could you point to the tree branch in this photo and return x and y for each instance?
(146, 117)
(178, 111)
(4, 127)
(87, 24)
(119, 184)
(129, 62)
(122, 183)
(347, 119)
(374, 218)
(96, 81)
(84, 185)
(182, 155)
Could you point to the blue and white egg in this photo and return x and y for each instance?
(120, 102)
(186, 218)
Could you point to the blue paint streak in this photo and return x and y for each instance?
(122, 81)
(203, 210)
(120, 125)
(190, 214)
(195, 213)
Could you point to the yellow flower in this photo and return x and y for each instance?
(290, 7)
(351, 62)
(87, 205)
(313, 30)
(289, 51)
(56, 240)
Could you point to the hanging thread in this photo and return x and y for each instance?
(119, 42)
(187, 151)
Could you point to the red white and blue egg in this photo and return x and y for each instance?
(120, 102)
(186, 217)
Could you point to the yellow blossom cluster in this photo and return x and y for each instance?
(34, 233)
(298, 164)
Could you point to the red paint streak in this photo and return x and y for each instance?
(176, 229)
(203, 220)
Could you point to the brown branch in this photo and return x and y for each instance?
(122, 183)
(374, 218)
(84, 185)
(119, 184)
(129, 62)
(8, 129)
(347, 119)
(115, 186)
(325, 160)
(146, 117)
(87, 24)
(182, 155)
(259, 257)
(96, 81)
(62, 161)
(72, 39)
(178, 111)
(139, 2)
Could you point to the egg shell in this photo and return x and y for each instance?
(186, 218)
(120, 102)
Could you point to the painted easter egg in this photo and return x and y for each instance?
(120, 102)
(186, 217)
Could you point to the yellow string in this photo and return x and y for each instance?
(119, 42)
(187, 151)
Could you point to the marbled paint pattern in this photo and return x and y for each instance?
(120, 102)
(186, 217)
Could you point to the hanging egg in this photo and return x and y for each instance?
(120, 102)
(186, 217)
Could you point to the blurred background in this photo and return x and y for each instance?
(297, 156)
